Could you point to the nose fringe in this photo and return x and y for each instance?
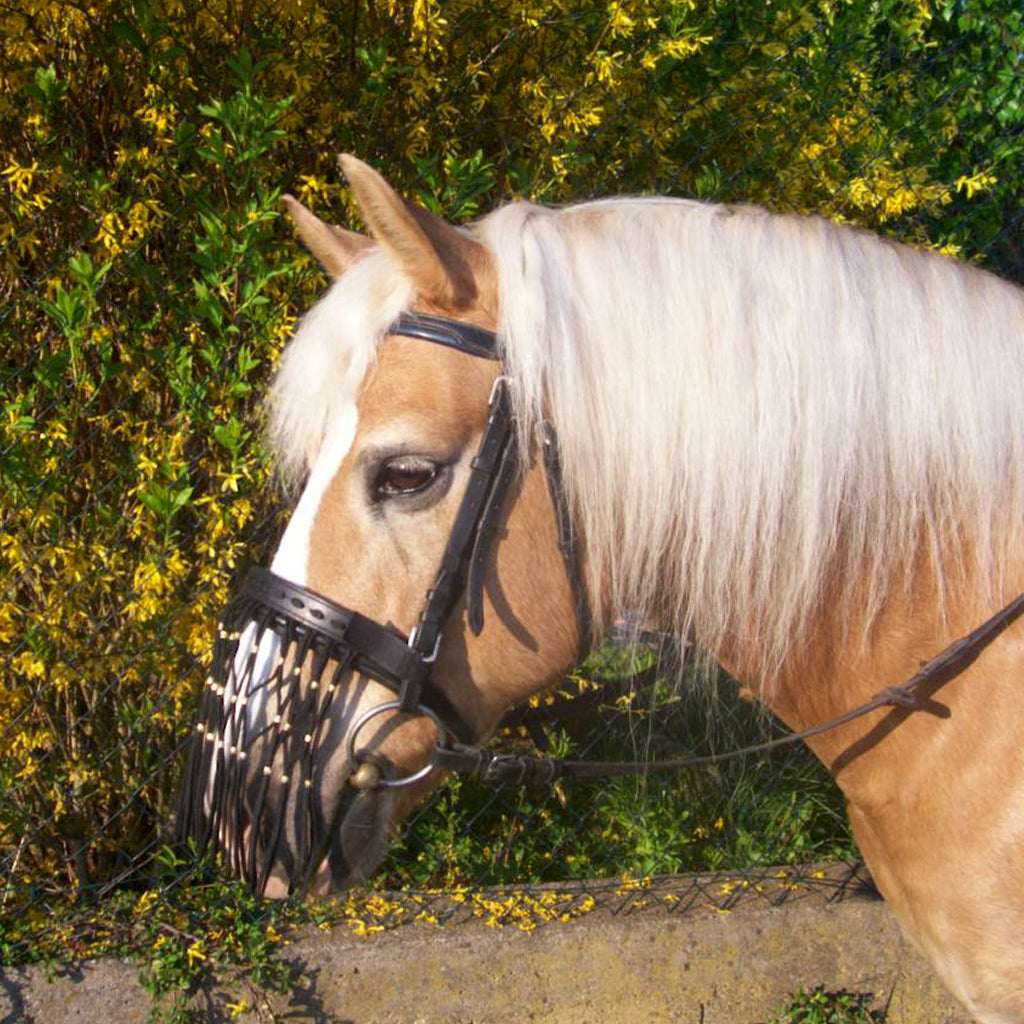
(251, 763)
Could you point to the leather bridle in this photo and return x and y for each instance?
(310, 625)
(406, 668)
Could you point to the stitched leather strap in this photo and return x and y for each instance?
(474, 341)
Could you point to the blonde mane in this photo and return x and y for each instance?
(754, 408)
(750, 406)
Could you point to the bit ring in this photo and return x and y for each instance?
(393, 705)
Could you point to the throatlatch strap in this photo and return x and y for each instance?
(567, 545)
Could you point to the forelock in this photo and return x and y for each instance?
(323, 366)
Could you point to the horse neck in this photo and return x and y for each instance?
(847, 655)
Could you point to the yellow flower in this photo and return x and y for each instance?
(110, 232)
(19, 176)
(145, 901)
(978, 182)
(29, 665)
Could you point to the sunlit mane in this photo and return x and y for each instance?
(323, 366)
(753, 405)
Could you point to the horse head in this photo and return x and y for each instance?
(314, 743)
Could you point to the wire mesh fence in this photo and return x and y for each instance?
(149, 284)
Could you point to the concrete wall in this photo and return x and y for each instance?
(637, 967)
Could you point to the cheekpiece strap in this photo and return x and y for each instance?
(486, 486)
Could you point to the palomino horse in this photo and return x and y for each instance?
(790, 440)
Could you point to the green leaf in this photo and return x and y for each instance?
(127, 32)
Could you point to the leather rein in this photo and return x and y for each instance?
(492, 767)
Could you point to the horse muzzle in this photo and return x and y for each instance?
(291, 773)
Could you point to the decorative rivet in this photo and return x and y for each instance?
(366, 776)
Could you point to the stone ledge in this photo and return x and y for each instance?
(640, 967)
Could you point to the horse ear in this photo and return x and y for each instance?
(335, 248)
(438, 259)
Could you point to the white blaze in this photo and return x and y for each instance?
(292, 558)
(291, 562)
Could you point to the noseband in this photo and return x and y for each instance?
(299, 624)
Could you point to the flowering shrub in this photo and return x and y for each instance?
(148, 282)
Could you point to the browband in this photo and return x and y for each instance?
(475, 341)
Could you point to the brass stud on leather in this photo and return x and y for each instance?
(366, 776)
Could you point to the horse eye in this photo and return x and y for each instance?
(404, 475)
